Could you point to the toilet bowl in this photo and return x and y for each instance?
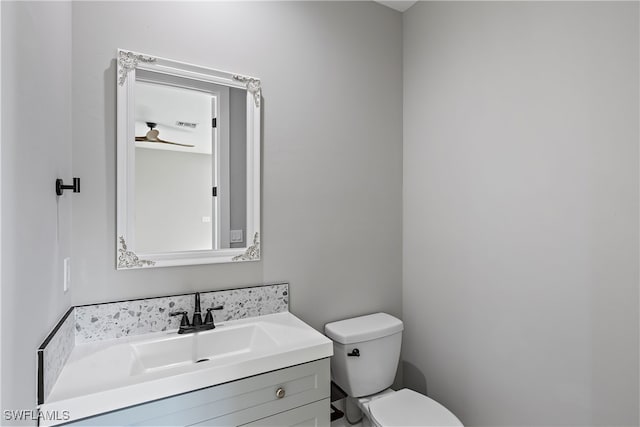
(407, 408)
(366, 351)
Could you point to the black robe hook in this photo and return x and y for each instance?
(60, 187)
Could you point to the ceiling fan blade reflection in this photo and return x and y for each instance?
(162, 141)
(152, 136)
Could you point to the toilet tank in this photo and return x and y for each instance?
(376, 338)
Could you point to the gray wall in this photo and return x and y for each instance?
(36, 149)
(238, 164)
(520, 290)
(332, 149)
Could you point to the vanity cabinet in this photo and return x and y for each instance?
(297, 395)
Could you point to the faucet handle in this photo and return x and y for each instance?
(208, 320)
(184, 323)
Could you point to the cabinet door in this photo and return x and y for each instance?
(311, 415)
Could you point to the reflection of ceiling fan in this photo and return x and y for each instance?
(152, 136)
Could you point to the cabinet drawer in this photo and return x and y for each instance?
(239, 401)
(312, 415)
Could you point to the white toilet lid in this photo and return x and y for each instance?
(409, 408)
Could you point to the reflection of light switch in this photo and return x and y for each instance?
(206, 219)
(236, 236)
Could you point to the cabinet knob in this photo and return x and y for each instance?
(280, 393)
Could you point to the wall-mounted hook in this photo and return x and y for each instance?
(60, 187)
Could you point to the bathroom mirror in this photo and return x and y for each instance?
(188, 153)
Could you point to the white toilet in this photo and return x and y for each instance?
(366, 351)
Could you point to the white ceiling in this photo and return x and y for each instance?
(400, 5)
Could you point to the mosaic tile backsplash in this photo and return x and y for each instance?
(115, 320)
(119, 319)
(56, 352)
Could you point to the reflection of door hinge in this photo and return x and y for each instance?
(214, 122)
(215, 191)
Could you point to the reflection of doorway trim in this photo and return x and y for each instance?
(220, 155)
(221, 168)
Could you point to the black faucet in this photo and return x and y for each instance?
(197, 324)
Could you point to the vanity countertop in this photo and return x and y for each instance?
(107, 375)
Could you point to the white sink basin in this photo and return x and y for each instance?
(215, 346)
(108, 375)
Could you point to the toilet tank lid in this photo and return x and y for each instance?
(363, 328)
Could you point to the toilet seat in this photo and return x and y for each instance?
(409, 408)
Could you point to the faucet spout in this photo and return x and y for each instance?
(197, 315)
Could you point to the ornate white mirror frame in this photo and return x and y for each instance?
(126, 255)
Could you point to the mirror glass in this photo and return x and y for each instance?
(188, 164)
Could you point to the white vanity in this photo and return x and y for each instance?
(271, 370)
